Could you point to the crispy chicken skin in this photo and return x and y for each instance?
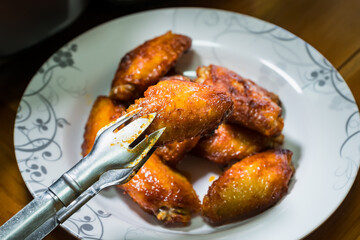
(233, 142)
(143, 66)
(103, 111)
(156, 187)
(248, 187)
(185, 108)
(172, 153)
(254, 107)
(161, 191)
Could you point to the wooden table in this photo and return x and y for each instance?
(331, 26)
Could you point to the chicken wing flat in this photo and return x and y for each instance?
(103, 111)
(248, 187)
(143, 66)
(233, 142)
(156, 188)
(163, 192)
(185, 108)
(254, 106)
(172, 153)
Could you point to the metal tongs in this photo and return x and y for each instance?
(111, 161)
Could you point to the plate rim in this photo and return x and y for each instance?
(28, 185)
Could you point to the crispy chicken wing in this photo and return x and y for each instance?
(248, 187)
(156, 188)
(163, 192)
(233, 142)
(143, 66)
(254, 107)
(104, 111)
(185, 108)
(172, 153)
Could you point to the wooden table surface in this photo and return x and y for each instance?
(331, 26)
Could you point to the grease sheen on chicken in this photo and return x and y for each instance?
(248, 187)
(162, 191)
(254, 106)
(158, 182)
(103, 111)
(146, 64)
(185, 108)
(233, 142)
(173, 153)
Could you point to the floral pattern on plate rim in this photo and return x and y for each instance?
(38, 124)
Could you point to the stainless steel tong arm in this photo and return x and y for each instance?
(111, 161)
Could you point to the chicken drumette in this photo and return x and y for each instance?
(173, 153)
(143, 66)
(254, 106)
(232, 143)
(104, 111)
(248, 187)
(162, 191)
(185, 108)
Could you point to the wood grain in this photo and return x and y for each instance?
(331, 26)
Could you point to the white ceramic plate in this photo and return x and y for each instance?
(321, 120)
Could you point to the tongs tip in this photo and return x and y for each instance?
(112, 126)
(131, 139)
(146, 148)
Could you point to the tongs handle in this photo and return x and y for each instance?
(31, 217)
(110, 162)
(65, 213)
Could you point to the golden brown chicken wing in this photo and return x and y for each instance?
(248, 187)
(163, 192)
(103, 111)
(254, 107)
(143, 66)
(185, 108)
(156, 188)
(233, 142)
(172, 153)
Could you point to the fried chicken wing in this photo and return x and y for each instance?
(254, 106)
(233, 142)
(248, 187)
(172, 153)
(163, 192)
(103, 111)
(185, 108)
(143, 66)
(156, 187)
